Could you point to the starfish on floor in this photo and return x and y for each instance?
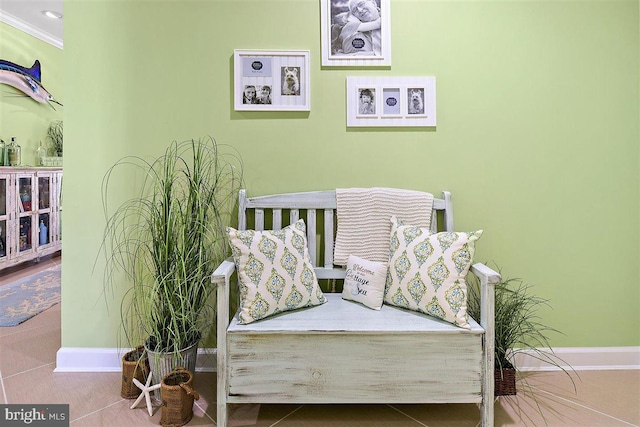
(146, 390)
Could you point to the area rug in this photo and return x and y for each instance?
(24, 298)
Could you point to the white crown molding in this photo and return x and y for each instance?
(30, 29)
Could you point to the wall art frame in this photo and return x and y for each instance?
(355, 33)
(391, 101)
(271, 80)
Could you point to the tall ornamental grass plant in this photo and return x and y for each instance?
(168, 239)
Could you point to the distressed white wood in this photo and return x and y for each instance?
(448, 211)
(354, 368)
(488, 279)
(328, 238)
(259, 219)
(306, 200)
(221, 278)
(311, 355)
(311, 235)
(242, 209)
(294, 215)
(348, 317)
(277, 219)
(335, 272)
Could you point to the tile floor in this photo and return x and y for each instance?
(27, 361)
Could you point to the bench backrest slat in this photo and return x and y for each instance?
(312, 206)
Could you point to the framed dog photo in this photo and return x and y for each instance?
(271, 80)
(355, 33)
(391, 101)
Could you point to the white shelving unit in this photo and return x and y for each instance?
(30, 213)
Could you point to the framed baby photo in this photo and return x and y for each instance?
(391, 101)
(355, 33)
(271, 80)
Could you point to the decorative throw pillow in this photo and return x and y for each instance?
(364, 282)
(427, 271)
(274, 271)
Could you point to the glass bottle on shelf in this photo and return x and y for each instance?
(44, 237)
(14, 152)
(41, 152)
(3, 147)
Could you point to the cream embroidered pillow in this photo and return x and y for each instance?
(427, 271)
(364, 282)
(274, 271)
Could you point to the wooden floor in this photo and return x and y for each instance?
(27, 361)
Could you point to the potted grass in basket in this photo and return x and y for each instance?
(165, 242)
(518, 330)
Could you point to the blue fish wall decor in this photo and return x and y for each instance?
(26, 80)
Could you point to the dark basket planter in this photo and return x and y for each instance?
(177, 398)
(134, 365)
(505, 381)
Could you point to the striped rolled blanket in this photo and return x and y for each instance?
(364, 219)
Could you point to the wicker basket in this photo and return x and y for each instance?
(177, 398)
(134, 365)
(505, 381)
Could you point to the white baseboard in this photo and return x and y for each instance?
(584, 359)
(84, 359)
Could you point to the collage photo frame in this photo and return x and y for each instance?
(271, 80)
(391, 101)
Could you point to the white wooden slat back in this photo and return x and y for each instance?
(328, 238)
(294, 215)
(311, 202)
(259, 221)
(277, 219)
(311, 235)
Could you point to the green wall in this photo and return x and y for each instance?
(537, 134)
(21, 116)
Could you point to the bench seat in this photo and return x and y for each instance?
(348, 317)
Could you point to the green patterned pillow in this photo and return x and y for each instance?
(427, 271)
(274, 270)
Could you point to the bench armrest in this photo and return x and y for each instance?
(483, 272)
(221, 278)
(223, 273)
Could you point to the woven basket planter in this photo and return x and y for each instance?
(505, 381)
(177, 398)
(134, 365)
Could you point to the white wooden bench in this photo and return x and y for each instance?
(315, 356)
